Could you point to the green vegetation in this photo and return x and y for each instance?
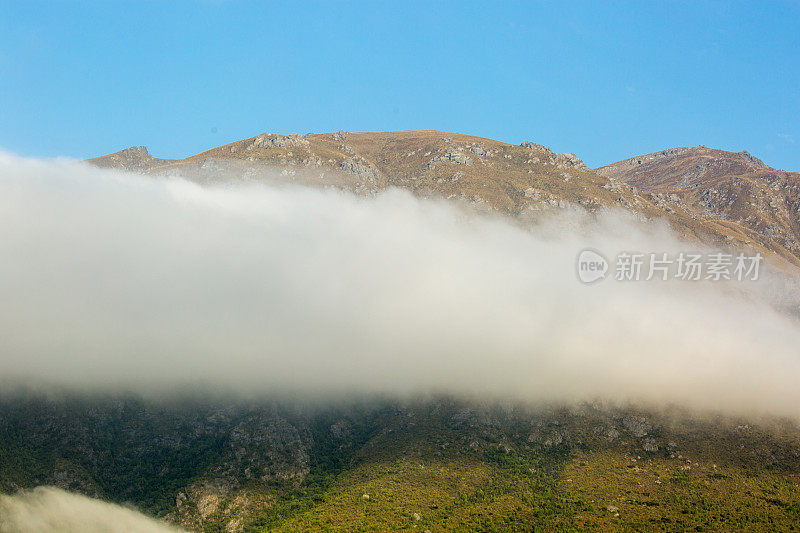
(433, 466)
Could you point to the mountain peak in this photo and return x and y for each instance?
(134, 158)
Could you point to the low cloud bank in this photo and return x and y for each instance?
(51, 510)
(112, 280)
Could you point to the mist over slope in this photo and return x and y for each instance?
(50, 510)
(113, 280)
(733, 206)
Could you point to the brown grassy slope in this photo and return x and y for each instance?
(714, 184)
(521, 181)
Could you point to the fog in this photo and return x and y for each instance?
(111, 280)
(50, 510)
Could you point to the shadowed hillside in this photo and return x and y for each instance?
(428, 465)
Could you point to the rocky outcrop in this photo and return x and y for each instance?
(637, 425)
(271, 141)
(451, 155)
(569, 160)
(528, 145)
(133, 159)
(363, 170)
(268, 448)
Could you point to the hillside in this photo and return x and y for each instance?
(436, 465)
(211, 463)
(709, 184)
(524, 181)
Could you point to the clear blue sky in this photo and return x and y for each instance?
(603, 80)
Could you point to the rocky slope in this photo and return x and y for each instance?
(134, 159)
(522, 181)
(708, 184)
(216, 464)
(437, 465)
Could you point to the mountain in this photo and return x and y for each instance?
(437, 465)
(212, 463)
(709, 184)
(523, 181)
(134, 159)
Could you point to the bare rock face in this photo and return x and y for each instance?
(452, 155)
(568, 159)
(479, 150)
(637, 425)
(133, 159)
(528, 145)
(362, 169)
(562, 161)
(217, 500)
(270, 141)
(267, 447)
(532, 193)
(205, 496)
(752, 159)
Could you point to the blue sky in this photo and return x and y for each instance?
(603, 80)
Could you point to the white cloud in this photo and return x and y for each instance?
(50, 510)
(111, 280)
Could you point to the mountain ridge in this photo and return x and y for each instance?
(522, 181)
(213, 462)
(715, 184)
